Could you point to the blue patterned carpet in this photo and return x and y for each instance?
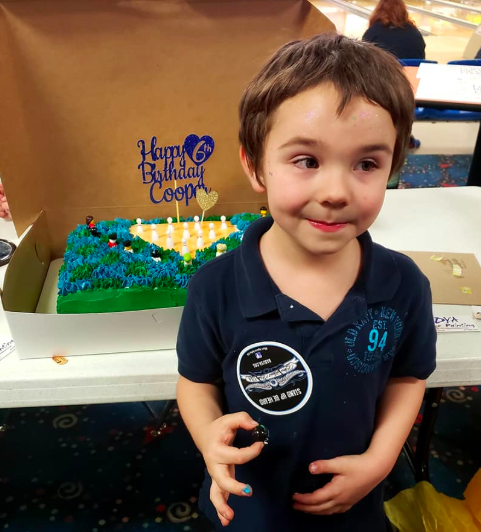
(435, 171)
(97, 468)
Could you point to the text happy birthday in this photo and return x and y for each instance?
(175, 173)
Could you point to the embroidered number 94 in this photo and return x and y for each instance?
(374, 342)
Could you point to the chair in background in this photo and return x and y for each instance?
(451, 114)
(420, 113)
(446, 115)
(468, 62)
(415, 62)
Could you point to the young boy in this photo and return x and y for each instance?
(309, 328)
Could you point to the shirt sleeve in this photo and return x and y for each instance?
(416, 356)
(199, 348)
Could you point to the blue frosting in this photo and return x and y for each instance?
(161, 270)
(236, 236)
(182, 279)
(91, 257)
(110, 271)
(136, 280)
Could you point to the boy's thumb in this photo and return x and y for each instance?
(333, 466)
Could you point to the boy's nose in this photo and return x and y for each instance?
(333, 190)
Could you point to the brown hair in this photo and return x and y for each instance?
(391, 13)
(355, 68)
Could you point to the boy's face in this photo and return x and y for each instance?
(326, 175)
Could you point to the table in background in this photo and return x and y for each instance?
(474, 177)
(443, 219)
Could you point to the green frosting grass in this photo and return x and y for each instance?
(112, 300)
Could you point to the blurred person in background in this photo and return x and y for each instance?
(391, 28)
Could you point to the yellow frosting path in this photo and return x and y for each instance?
(178, 231)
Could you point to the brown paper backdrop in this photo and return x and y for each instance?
(83, 80)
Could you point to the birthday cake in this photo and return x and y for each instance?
(126, 265)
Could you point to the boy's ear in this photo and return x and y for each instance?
(250, 172)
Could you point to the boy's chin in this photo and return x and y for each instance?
(318, 249)
(331, 249)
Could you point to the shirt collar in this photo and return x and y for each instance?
(255, 288)
(380, 272)
(258, 295)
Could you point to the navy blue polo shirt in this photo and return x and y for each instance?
(313, 383)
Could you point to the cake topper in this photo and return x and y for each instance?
(154, 234)
(90, 223)
(223, 225)
(156, 255)
(212, 236)
(139, 225)
(185, 249)
(112, 240)
(221, 249)
(176, 200)
(186, 233)
(128, 246)
(200, 240)
(187, 259)
(263, 211)
(197, 224)
(170, 241)
(206, 201)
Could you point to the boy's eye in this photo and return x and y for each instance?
(366, 166)
(308, 163)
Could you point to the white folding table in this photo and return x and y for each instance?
(437, 219)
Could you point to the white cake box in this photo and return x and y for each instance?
(103, 105)
(29, 298)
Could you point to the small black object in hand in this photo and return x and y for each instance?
(260, 433)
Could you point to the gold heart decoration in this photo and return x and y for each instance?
(206, 201)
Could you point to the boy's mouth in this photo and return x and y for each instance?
(328, 227)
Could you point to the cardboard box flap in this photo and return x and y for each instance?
(27, 270)
(132, 104)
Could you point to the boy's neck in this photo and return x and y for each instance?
(276, 245)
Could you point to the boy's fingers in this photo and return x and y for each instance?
(218, 499)
(236, 456)
(223, 520)
(224, 511)
(315, 507)
(334, 465)
(240, 420)
(231, 485)
(330, 509)
(325, 495)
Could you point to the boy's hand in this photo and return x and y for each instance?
(353, 478)
(219, 498)
(220, 457)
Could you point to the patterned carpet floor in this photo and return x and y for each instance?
(97, 468)
(435, 171)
